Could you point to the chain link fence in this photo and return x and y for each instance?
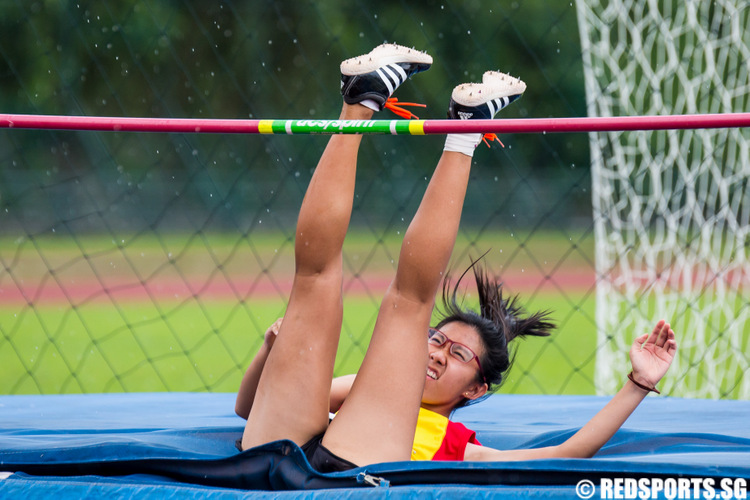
(154, 262)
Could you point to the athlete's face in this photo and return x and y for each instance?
(449, 380)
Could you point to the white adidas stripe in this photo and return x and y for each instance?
(496, 105)
(386, 80)
(402, 74)
(392, 75)
(388, 70)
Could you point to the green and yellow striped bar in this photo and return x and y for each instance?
(292, 127)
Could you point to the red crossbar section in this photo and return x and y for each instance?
(506, 126)
(185, 125)
(593, 124)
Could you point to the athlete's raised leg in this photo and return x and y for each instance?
(291, 401)
(377, 421)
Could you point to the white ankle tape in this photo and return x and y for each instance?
(462, 143)
(369, 103)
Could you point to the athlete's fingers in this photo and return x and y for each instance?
(640, 340)
(671, 343)
(663, 335)
(656, 331)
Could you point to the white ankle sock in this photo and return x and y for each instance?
(369, 103)
(462, 143)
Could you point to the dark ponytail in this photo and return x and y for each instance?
(499, 321)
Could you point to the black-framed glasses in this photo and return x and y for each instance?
(456, 349)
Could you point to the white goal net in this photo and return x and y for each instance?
(671, 208)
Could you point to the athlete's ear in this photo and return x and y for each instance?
(477, 390)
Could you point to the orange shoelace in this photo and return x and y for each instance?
(488, 138)
(393, 105)
(396, 107)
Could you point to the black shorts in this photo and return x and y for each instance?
(320, 457)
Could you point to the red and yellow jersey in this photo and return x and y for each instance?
(437, 438)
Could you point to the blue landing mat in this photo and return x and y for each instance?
(183, 444)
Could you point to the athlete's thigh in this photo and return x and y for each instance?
(292, 399)
(378, 418)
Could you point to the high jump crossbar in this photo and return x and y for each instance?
(395, 127)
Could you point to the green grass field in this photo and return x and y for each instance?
(81, 328)
(188, 312)
(194, 347)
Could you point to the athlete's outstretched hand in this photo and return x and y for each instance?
(652, 353)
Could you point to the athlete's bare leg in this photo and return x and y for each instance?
(292, 398)
(377, 421)
(378, 418)
(291, 401)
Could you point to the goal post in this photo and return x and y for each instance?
(671, 208)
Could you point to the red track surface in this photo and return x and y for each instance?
(79, 293)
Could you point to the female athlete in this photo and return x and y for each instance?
(413, 376)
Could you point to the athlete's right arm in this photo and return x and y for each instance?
(651, 355)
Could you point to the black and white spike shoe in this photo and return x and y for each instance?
(471, 101)
(376, 76)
